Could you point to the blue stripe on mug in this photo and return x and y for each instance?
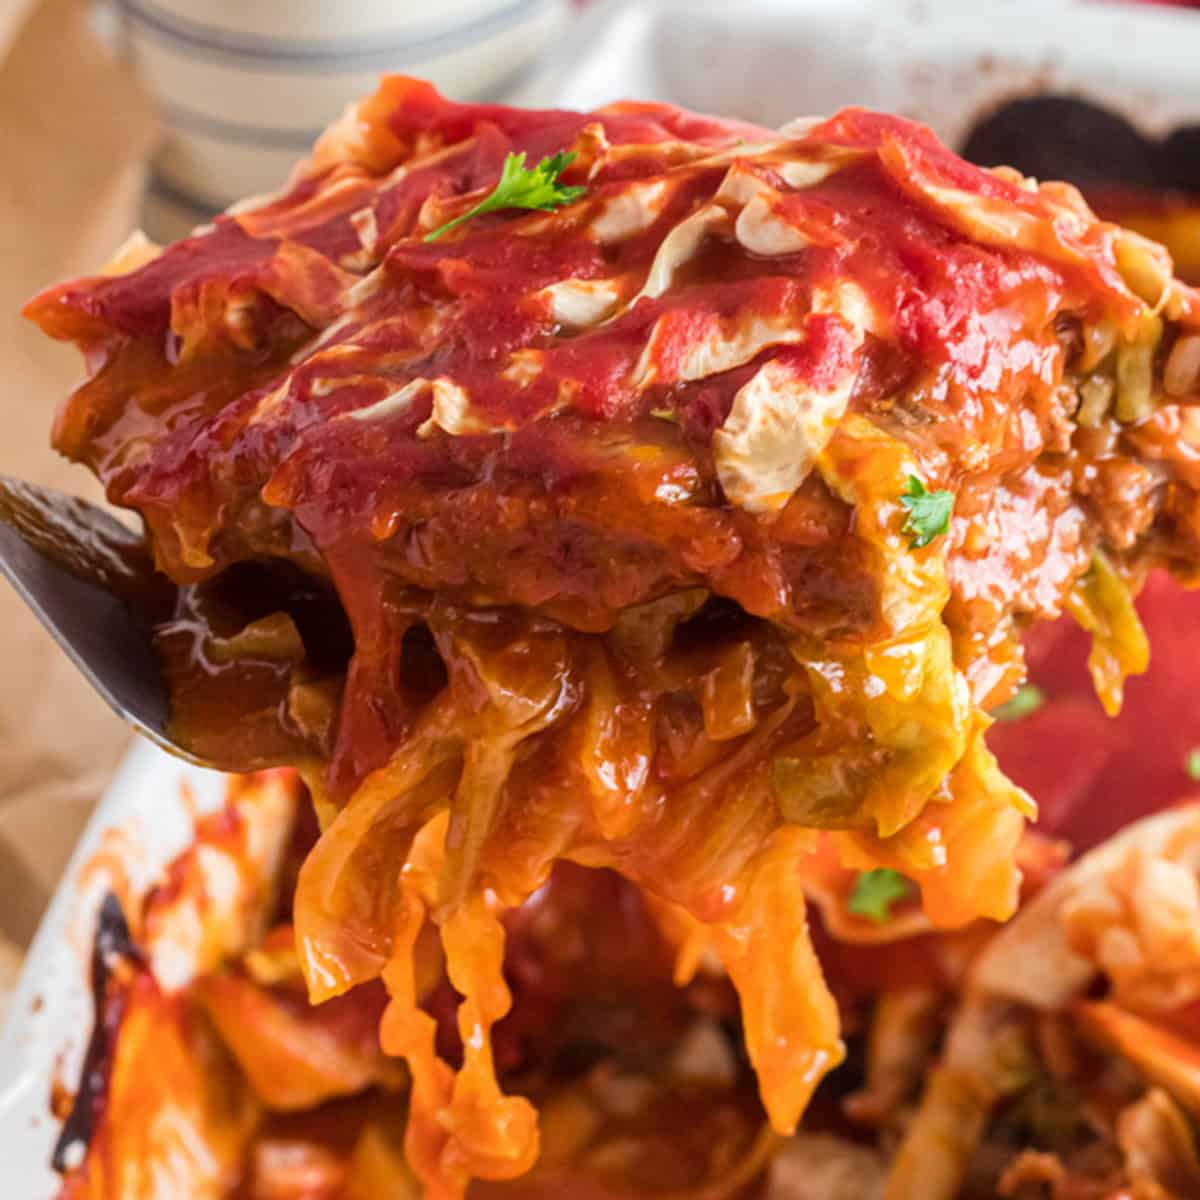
(238, 133)
(196, 206)
(362, 53)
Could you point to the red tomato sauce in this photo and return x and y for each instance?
(1090, 775)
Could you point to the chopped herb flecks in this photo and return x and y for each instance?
(1192, 764)
(875, 892)
(1029, 699)
(928, 513)
(538, 188)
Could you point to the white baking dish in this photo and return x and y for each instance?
(941, 61)
(144, 820)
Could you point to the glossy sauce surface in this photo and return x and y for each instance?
(607, 505)
(575, 488)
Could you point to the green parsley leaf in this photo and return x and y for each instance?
(1192, 765)
(928, 513)
(520, 188)
(875, 892)
(1029, 699)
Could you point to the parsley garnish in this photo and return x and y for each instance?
(1028, 699)
(928, 513)
(875, 892)
(519, 188)
(1192, 764)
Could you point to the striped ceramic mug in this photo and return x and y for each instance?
(244, 86)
